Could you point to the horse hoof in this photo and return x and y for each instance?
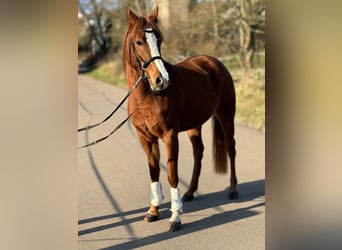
(233, 195)
(174, 226)
(187, 197)
(151, 217)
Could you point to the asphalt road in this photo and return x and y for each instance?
(114, 186)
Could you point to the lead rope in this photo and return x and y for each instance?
(118, 126)
(104, 138)
(120, 104)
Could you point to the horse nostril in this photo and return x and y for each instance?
(159, 81)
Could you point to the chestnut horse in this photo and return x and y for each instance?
(175, 98)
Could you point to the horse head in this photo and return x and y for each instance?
(144, 42)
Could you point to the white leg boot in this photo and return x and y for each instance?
(156, 199)
(156, 194)
(176, 209)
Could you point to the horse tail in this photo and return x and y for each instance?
(219, 147)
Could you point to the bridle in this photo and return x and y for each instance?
(138, 59)
(141, 77)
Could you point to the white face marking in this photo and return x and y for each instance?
(153, 44)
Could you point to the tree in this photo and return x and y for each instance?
(221, 28)
(224, 29)
(99, 23)
(250, 22)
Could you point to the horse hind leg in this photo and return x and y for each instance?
(233, 194)
(198, 148)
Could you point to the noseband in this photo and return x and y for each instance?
(146, 63)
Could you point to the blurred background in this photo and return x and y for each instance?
(233, 31)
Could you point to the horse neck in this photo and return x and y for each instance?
(132, 75)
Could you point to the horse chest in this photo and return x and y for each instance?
(151, 121)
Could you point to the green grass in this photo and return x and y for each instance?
(110, 72)
(250, 98)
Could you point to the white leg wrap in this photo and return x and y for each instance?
(176, 205)
(156, 194)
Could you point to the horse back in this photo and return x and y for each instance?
(205, 71)
(202, 81)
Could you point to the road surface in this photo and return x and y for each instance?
(114, 186)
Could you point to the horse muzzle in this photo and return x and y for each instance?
(160, 83)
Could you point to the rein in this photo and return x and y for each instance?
(120, 104)
(110, 115)
(141, 77)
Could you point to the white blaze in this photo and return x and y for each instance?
(153, 44)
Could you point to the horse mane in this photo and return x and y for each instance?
(127, 43)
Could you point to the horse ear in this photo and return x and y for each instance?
(131, 17)
(154, 15)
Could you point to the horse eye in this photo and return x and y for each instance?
(139, 42)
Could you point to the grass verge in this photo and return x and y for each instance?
(250, 97)
(110, 72)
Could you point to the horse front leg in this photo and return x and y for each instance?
(151, 148)
(171, 143)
